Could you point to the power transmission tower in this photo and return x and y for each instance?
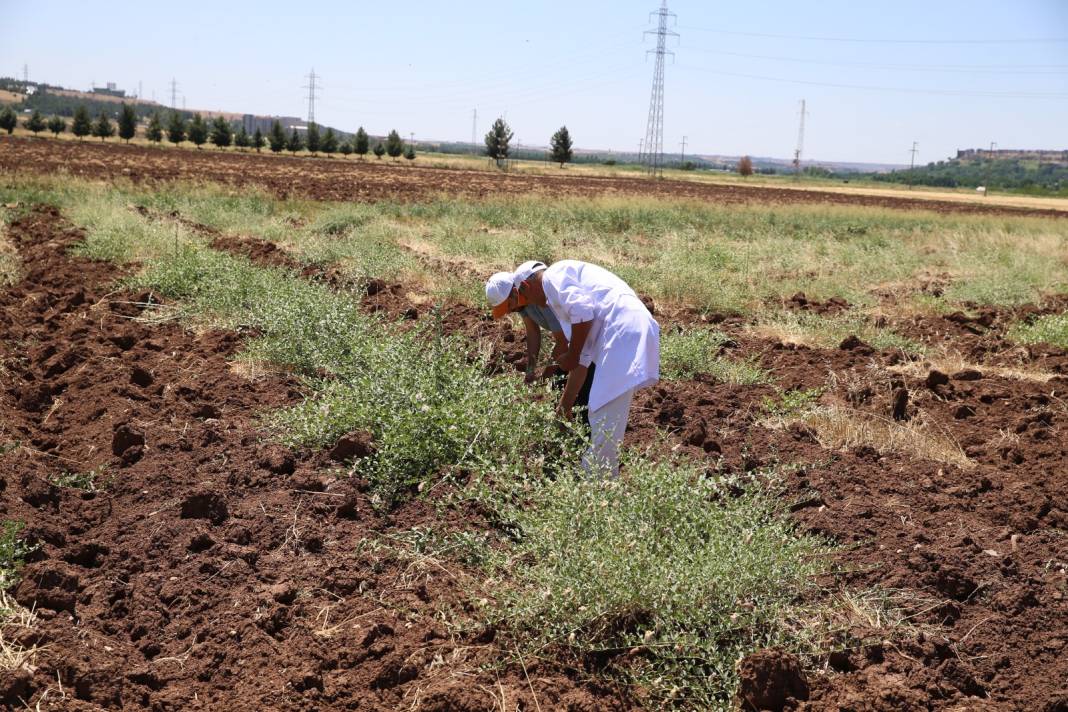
(641, 149)
(25, 73)
(912, 163)
(139, 96)
(989, 166)
(312, 96)
(174, 93)
(654, 127)
(800, 143)
(682, 155)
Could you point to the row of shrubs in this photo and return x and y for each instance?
(218, 131)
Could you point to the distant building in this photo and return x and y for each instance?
(110, 89)
(251, 122)
(1043, 156)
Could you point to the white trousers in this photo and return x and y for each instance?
(607, 426)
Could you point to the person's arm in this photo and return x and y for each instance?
(579, 332)
(575, 379)
(559, 344)
(533, 347)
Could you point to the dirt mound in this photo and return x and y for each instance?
(202, 575)
(770, 680)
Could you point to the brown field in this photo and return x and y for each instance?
(218, 572)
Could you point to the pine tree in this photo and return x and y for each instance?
(176, 128)
(497, 140)
(221, 133)
(8, 120)
(561, 146)
(329, 143)
(394, 145)
(295, 142)
(257, 140)
(81, 126)
(313, 141)
(410, 153)
(57, 125)
(127, 123)
(154, 132)
(360, 143)
(198, 131)
(278, 138)
(241, 140)
(35, 123)
(103, 128)
(380, 150)
(346, 148)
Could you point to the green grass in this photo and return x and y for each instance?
(1050, 329)
(830, 331)
(668, 573)
(688, 352)
(13, 552)
(90, 481)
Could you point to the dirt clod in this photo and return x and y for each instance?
(205, 505)
(769, 678)
(126, 437)
(355, 445)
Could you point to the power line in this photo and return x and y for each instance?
(875, 40)
(312, 95)
(1024, 69)
(654, 127)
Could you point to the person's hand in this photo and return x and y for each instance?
(530, 377)
(558, 351)
(564, 412)
(568, 361)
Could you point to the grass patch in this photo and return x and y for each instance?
(953, 362)
(90, 481)
(10, 265)
(669, 574)
(1050, 329)
(837, 427)
(688, 352)
(13, 552)
(819, 331)
(791, 403)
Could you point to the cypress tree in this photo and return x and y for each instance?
(410, 153)
(127, 123)
(380, 150)
(329, 143)
(360, 143)
(154, 132)
(81, 126)
(176, 128)
(57, 125)
(295, 143)
(35, 123)
(221, 133)
(257, 140)
(278, 138)
(497, 140)
(103, 128)
(346, 148)
(394, 145)
(561, 146)
(8, 120)
(241, 140)
(198, 131)
(313, 141)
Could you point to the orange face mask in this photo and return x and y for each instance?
(509, 305)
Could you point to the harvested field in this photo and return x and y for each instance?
(373, 180)
(199, 564)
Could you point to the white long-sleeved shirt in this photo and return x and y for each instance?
(624, 340)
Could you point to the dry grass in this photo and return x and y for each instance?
(838, 427)
(9, 259)
(13, 616)
(953, 362)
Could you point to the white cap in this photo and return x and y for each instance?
(523, 272)
(498, 288)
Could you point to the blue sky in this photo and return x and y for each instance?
(876, 75)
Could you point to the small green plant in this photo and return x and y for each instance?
(1050, 329)
(13, 553)
(90, 481)
(790, 403)
(670, 574)
(686, 353)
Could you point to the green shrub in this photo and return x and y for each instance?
(686, 353)
(668, 573)
(1050, 329)
(13, 552)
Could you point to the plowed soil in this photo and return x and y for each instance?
(211, 570)
(373, 179)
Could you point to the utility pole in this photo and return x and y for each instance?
(139, 90)
(474, 130)
(312, 96)
(682, 155)
(989, 167)
(800, 143)
(912, 163)
(174, 93)
(654, 127)
(641, 148)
